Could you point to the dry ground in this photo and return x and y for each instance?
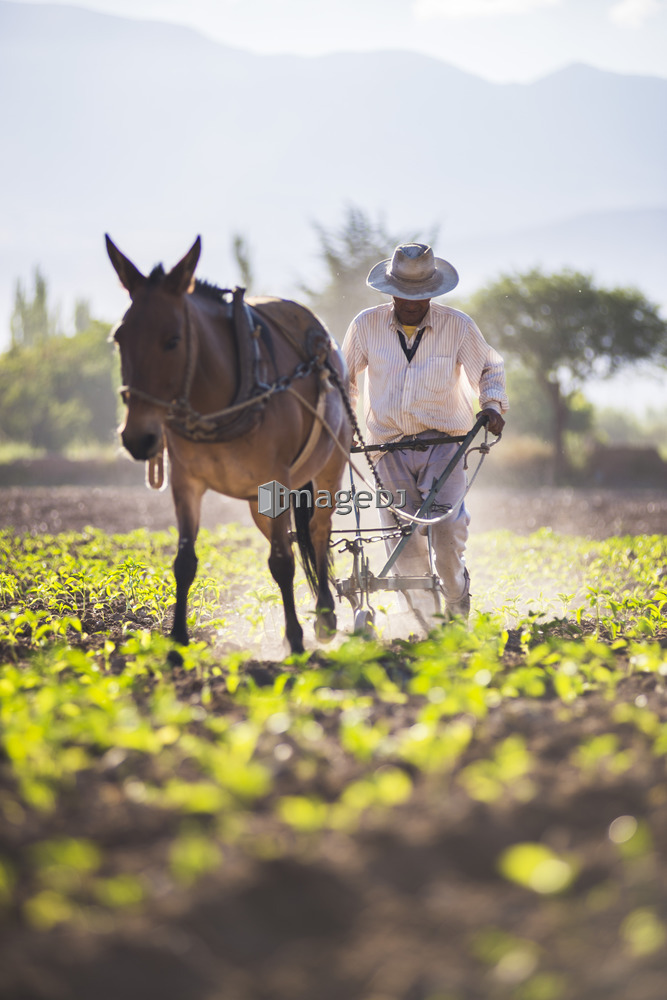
(593, 513)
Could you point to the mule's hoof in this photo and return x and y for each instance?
(325, 626)
(181, 638)
(174, 658)
(294, 642)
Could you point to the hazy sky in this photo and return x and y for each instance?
(503, 40)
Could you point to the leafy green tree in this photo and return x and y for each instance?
(60, 391)
(32, 321)
(562, 330)
(531, 418)
(348, 254)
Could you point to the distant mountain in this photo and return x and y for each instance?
(155, 133)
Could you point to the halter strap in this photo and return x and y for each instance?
(129, 390)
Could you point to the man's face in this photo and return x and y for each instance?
(410, 312)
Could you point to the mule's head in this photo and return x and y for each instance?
(153, 348)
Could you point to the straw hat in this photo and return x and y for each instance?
(413, 272)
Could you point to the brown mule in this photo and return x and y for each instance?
(240, 397)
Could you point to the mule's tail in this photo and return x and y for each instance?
(302, 515)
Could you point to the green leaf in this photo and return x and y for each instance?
(537, 867)
(192, 856)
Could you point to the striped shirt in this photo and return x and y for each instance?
(435, 390)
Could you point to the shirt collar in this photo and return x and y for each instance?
(423, 324)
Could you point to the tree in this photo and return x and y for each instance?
(348, 254)
(529, 416)
(83, 317)
(32, 322)
(61, 391)
(563, 330)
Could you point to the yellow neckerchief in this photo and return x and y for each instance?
(409, 331)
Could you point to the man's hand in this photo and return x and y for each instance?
(496, 422)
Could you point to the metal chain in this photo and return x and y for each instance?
(346, 545)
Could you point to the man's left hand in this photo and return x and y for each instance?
(496, 422)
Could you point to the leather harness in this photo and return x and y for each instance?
(253, 390)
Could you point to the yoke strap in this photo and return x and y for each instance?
(323, 388)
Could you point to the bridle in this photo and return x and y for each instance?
(182, 400)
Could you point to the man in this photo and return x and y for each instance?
(422, 359)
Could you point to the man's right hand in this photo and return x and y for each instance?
(496, 422)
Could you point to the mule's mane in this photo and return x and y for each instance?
(157, 275)
(205, 288)
(210, 291)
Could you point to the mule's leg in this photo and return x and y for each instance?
(187, 500)
(281, 565)
(320, 532)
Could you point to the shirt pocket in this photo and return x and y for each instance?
(435, 378)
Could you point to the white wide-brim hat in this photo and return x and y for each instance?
(413, 272)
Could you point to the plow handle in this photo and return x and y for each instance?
(426, 506)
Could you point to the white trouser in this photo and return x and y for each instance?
(415, 472)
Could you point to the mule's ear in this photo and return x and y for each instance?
(130, 276)
(180, 277)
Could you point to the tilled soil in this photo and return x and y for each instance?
(412, 906)
(593, 513)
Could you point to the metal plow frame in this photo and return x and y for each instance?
(359, 586)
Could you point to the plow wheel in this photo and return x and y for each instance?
(364, 621)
